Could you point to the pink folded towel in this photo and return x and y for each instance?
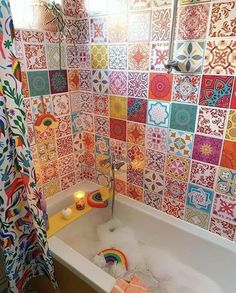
(135, 285)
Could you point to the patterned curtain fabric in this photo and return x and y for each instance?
(22, 227)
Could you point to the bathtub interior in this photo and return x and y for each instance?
(177, 247)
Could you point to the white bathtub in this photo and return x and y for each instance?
(201, 250)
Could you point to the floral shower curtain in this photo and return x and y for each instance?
(22, 228)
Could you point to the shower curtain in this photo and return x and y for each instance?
(22, 228)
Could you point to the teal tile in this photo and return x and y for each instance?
(183, 117)
(38, 83)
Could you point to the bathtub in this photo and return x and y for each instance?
(209, 254)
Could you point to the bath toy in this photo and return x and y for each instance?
(114, 255)
(66, 213)
(94, 199)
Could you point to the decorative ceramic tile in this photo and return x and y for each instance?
(100, 82)
(29, 115)
(30, 134)
(231, 127)
(35, 56)
(101, 125)
(103, 179)
(136, 155)
(156, 138)
(197, 218)
(85, 80)
(99, 56)
(67, 181)
(98, 30)
(119, 149)
(25, 86)
(139, 27)
(102, 145)
(139, 4)
(137, 110)
(66, 165)
(160, 3)
(177, 167)
(161, 19)
(118, 57)
(64, 126)
(160, 86)
(222, 228)
(30, 36)
(117, 29)
(61, 104)
(38, 83)
(135, 176)
(20, 54)
(137, 84)
(158, 113)
(72, 55)
(228, 156)
(211, 121)
(173, 208)
(53, 37)
(120, 186)
(220, 57)
(117, 6)
(180, 143)
(223, 19)
(52, 187)
(225, 207)
(175, 190)
(73, 80)
(216, 91)
(56, 56)
(82, 122)
(118, 129)
(58, 81)
(153, 181)
(79, 30)
(136, 133)
(134, 192)
(226, 182)
(190, 56)
(118, 107)
(88, 141)
(207, 149)
(118, 83)
(71, 8)
(101, 105)
(40, 105)
(64, 146)
(152, 199)
(155, 160)
(186, 88)
(102, 168)
(159, 56)
(49, 171)
(183, 117)
(233, 100)
(193, 20)
(83, 57)
(138, 56)
(203, 174)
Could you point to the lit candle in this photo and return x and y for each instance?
(66, 213)
(79, 197)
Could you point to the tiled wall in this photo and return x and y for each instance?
(177, 130)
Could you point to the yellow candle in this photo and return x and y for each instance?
(79, 197)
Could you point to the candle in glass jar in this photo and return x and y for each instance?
(79, 198)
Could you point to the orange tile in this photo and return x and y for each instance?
(228, 158)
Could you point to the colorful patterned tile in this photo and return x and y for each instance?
(186, 88)
(53, 37)
(159, 56)
(175, 190)
(233, 100)
(104, 169)
(89, 174)
(25, 86)
(153, 181)
(152, 199)
(100, 82)
(135, 176)
(64, 146)
(73, 80)
(118, 129)
(103, 179)
(118, 57)
(64, 126)
(156, 138)
(85, 80)
(137, 84)
(82, 122)
(160, 86)
(88, 141)
(71, 8)
(223, 19)
(52, 187)
(66, 165)
(99, 56)
(40, 105)
(158, 113)
(177, 167)
(155, 160)
(200, 198)
(117, 28)
(67, 181)
(137, 110)
(61, 104)
(197, 218)
(117, 6)
(118, 83)
(119, 149)
(72, 56)
(180, 143)
(49, 171)
(28, 112)
(102, 145)
(136, 133)
(211, 121)
(139, 27)
(101, 105)
(38, 83)
(83, 57)
(231, 126)
(134, 5)
(101, 125)
(136, 155)
(226, 182)
(228, 156)
(120, 186)
(220, 57)
(79, 31)
(58, 81)
(20, 55)
(225, 207)
(173, 208)
(207, 149)
(56, 56)
(203, 174)
(183, 117)
(30, 36)
(161, 19)
(134, 192)
(30, 134)
(216, 91)
(35, 56)
(190, 56)
(118, 107)
(138, 56)
(193, 20)
(222, 228)
(98, 30)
